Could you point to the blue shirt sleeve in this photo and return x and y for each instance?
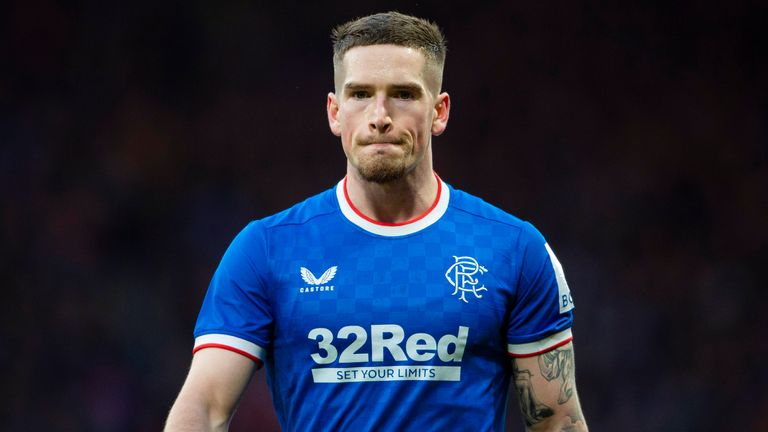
(236, 312)
(542, 315)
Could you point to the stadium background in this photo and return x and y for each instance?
(138, 138)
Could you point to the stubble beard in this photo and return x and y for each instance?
(382, 171)
(382, 168)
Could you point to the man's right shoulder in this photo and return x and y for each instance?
(257, 231)
(303, 212)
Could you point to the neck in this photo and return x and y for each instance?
(393, 202)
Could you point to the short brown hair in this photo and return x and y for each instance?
(390, 28)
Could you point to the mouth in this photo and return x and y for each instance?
(382, 148)
(381, 142)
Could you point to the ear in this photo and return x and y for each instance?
(441, 112)
(332, 107)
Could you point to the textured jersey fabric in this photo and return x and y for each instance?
(389, 327)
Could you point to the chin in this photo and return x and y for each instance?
(383, 178)
(382, 172)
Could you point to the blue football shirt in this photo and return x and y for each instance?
(392, 327)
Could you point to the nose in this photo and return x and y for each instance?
(379, 119)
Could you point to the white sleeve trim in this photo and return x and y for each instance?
(541, 346)
(233, 343)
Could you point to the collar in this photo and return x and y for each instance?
(429, 217)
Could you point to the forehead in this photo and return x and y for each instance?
(382, 63)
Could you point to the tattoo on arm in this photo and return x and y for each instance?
(532, 409)
(577, 422)
(555, 364)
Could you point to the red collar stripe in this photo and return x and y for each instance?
(410, 221)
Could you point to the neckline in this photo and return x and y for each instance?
(388, 229)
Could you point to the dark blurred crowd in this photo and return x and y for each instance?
(137, 139)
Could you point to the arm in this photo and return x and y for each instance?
(546, 391)
(209, 396)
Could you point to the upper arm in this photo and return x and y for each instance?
(546, 390)
(212, 390)
(539, 338)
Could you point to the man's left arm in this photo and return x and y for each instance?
(546, 391)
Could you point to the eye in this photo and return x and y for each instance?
(359, 94)
(404, 94)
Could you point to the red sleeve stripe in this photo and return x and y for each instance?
(231, 343)
(549, 343)
(229, 348)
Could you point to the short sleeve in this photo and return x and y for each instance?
(542, 316)
(236, 314)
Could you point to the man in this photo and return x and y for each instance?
(392, 301)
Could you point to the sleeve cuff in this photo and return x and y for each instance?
(231, 343)
(549, 343)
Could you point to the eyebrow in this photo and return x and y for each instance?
(398, 86)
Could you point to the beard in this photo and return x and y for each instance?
(384, 167)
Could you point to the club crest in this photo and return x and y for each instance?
(461, 276)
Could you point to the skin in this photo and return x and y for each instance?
(211, 392)
(386, 108)
(546, 391)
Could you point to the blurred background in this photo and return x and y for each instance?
(137, 139)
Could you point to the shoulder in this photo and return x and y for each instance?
(473, 208)
(306, 211)
(254, 235)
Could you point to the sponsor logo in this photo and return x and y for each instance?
(387, 342)
(461, 276)
(317, 284)
(564, 292)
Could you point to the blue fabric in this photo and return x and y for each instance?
(390, 308)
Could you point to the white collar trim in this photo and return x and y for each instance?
(394, 230)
